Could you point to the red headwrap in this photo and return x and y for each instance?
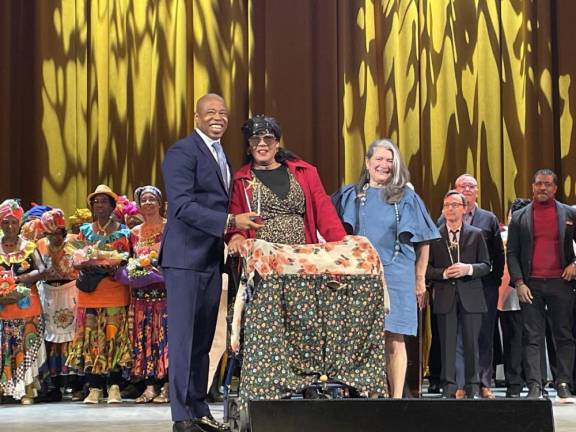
(11, 207)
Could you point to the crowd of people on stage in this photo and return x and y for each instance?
(86, 304)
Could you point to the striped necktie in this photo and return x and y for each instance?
(222, 162)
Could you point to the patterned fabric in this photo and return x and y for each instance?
(58, 310)
(148, 312)
(23, 260)
(58, 300)
(283, 218)
(102, 342)
(22, 354)
(22, 330)
(57, 353)
(318, 309)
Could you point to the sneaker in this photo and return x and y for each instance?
(94, 397)
(563, 393)
(534, 392)
(114, 396)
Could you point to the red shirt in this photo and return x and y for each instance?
(320, 214)
(546, 251)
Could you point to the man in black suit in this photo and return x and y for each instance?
(542, 267)
(456, 265)
(487, 221)
(197, 178)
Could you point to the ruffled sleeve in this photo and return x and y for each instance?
(347, 205)
(416, 225)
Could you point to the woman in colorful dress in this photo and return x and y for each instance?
(101, 347)
(22, 330)
(58, 295)
(384, 208)
(148, 307)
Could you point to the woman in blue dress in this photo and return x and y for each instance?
(384, 208)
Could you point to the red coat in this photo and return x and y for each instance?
(319, 215)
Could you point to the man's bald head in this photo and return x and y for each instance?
(211, 115)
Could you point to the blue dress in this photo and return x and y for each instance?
(394, 242)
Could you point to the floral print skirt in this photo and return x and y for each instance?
(23, 353)
(148, 332)
(101, 342)
(298, 327)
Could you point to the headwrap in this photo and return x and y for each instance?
(261, 124)
(53, 220)
(121, 202)
(11, 207)
(32, 230)
(147, 189)
(80, 216)
(35, 212)
(132, 210)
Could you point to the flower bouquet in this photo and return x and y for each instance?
(86, 254)
(10, 291)
(141, 271)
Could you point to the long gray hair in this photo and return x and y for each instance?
(400, 176)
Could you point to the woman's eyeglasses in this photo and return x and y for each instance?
(255, 140)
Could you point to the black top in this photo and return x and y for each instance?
(277, 180)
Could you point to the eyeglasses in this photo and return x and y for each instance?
(453, 205)
(100, 201)
(255, 140)
(464, 186)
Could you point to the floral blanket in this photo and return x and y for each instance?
(316, 310)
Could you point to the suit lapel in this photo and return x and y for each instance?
(208, 154)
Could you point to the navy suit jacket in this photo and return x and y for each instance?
(197, 207)
(473, 251)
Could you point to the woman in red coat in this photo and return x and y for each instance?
(284, 190)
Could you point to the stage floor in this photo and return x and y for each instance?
(129, 417)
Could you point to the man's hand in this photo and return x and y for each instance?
(524, 294)
(569, 272)
(457, 270)
(244, 221)
(235, 244)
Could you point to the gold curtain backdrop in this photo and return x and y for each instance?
(96, 91)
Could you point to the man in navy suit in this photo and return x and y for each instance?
(197, 179)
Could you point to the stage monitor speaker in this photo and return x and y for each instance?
(401, 415)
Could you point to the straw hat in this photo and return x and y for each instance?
(102, 190)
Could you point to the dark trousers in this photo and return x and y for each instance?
(511, 324)
(486, 336)
(447, 329)
(435, 355)
(485, 342)
(555, 297)
(193, 299)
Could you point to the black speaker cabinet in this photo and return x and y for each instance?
(406, 415)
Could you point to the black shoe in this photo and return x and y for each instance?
(54, 395)
(214, 395)
(474, 395)
(434, 388)
(563, 392)
(209, 424)
(186, 426)
(534, 392)
(512, 394)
